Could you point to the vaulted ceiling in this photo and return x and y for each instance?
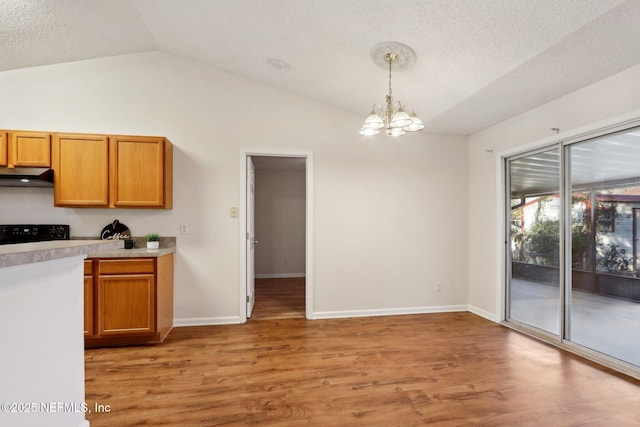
(479, 62)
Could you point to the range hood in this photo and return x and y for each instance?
(26, 177)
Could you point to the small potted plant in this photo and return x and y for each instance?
(153, 240)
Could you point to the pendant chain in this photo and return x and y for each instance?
(389, 98)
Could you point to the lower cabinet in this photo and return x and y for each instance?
(88, 298)
(131, 300)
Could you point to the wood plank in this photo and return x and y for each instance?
(446, 369)
(279, 298)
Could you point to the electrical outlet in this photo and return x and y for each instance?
(439, 286)
(184, 228)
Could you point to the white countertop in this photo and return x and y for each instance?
(26, 253)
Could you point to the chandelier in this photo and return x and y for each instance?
(395, 118)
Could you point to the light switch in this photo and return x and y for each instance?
(184, 228)
(234, 212)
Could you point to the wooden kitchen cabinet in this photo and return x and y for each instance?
(126, 304)
(132, 302)
(3, 148)
(26, 149)
(81, 170)
(112, 171)
(141, 172)
(29, 149)
(88, 299)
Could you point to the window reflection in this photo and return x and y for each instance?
(603, 308)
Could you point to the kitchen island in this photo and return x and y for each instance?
(28, 253)
(41, 325)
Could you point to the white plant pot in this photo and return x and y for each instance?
(153, 245)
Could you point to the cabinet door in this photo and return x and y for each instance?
(138, 171)
(88, 298)
(126, 304)
(88, 306)
(30, 149)
(81, 170)
(3, 148)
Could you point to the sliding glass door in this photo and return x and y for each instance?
(573, 216)
(603, 306)
(534, 215)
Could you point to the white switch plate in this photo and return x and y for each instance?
(234, 212)
(184, 228)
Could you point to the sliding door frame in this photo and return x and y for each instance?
(506, 253)
(561, 141)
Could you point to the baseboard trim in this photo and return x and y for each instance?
(483, 313)
(388, 311)
(206, 321)
(279, 275)
(231, 320)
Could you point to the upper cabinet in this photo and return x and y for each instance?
(3, 148)
(141, 172)
(26, 149)
(81, 170)
(112, 171)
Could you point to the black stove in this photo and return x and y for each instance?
(25, 233)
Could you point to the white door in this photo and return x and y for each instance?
(251, 241)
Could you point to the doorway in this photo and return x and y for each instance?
(276, 273)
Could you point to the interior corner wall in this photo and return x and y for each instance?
(610, 101)
(280, 223)
(390, 217)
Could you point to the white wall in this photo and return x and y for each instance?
(612, 100)
(390, 216)
(42, 356)
(280, 223)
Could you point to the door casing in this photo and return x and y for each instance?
(250, 239)
(242, 218)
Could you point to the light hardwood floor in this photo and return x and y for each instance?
(449, 369)
(281, 298)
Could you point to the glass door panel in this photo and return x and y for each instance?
(603, 305)
(534, 255)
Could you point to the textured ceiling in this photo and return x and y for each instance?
(479, 62)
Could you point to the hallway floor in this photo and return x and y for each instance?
(282, 298)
